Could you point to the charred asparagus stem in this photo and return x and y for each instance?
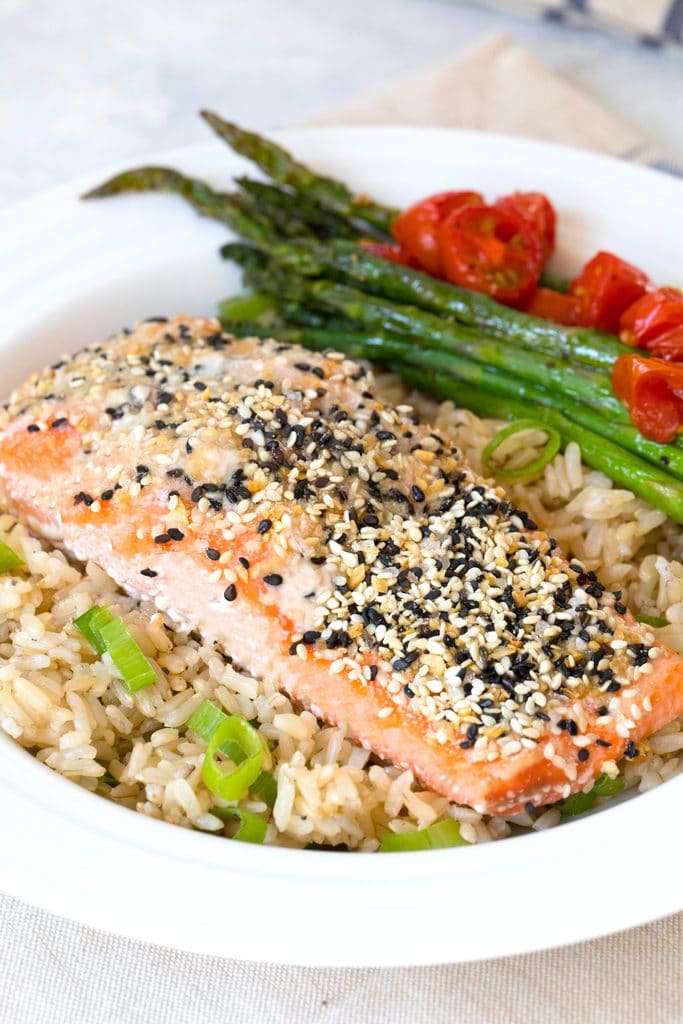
(398, 352)
(278, 164)
(217, 205)
(403, 284)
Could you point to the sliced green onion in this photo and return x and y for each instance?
(251, 828)
(578, 803)
(265, 788)
(135, 669)
(232, 785)
(652, 620)
(206, 719)
(442, 834)
(90, 623)
(108, 634)
(531, 469)
(244, 308)
(9, 559)
(204, 722)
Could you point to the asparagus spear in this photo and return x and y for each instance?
(277, 203)
(278, 164)
(385, 349)
(403, 284)
(430, 331)
(217, 205)
(629, 471)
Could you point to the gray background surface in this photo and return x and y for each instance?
(84, 83)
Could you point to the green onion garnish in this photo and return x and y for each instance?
(232, 785)
(251, 829)
(246, 308)
(135, 669)
(578, 803)
(531, 469)
(265, 788)
(90, 623)
(108, 634)
(652, 620)
(204, 722)
(9, 559)
(442, 834)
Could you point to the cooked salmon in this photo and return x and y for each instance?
(264, 496)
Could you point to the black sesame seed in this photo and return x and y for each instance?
(148, 572)
(583, 754)
(213, 554)
(244, 561)
(264, 526)
(33, 428)
(60, 422)
(162, 538)
(310, 636)
(175, 534)
(230, 592)
(417, 493)
(273, 579)
(107, 495)
(631, 750)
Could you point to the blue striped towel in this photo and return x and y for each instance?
(653, 22)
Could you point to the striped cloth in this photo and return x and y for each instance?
(653, 22)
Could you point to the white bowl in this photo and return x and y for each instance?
(72, 273)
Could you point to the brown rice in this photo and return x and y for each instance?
(74, 714)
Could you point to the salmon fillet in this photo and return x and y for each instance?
(264, 496)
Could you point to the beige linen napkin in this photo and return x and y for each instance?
(81, 976)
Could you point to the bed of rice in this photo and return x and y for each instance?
(73, 713)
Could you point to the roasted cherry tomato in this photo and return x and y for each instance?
(491, 250)
(552, 305)
(387, 251)
(417, 228)
(538, 211)
(668, 345)
(652, 391)
(605, 288)
(654, 314)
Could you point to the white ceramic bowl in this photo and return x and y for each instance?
(72, 273)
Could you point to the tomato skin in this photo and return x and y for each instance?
(417, 228)
(668, 345)
(552, 305)
(387, 251)
(652, 390)
(604, 289)
(537, 209)
(656, 313)
(491, 250)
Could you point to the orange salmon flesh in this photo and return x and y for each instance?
(266, 497)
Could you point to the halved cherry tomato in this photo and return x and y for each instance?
(652, 390)
(538, 211)
(417, 228)
(552, 305)
(668, 345)
(491, 250)
(654, 314)
(605, 288)
(387, 251)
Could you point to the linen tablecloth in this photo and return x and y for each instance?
(53, 970)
